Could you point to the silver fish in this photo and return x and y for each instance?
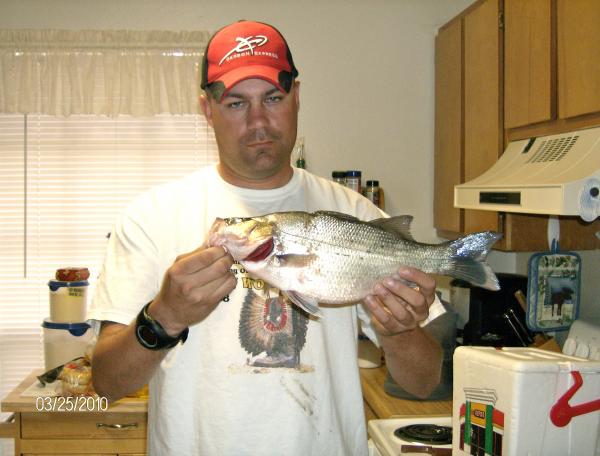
(334, 258)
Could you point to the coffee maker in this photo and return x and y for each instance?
(491, 318)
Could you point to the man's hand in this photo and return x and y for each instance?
(192, 288)
(396, 307)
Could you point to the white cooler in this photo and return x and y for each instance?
(524, 401)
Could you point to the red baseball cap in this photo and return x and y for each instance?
(245, 50)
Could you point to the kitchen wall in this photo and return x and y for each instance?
(366, 69)
(367, 73)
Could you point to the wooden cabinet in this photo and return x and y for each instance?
(482, 121)
(120, 430)
(578, 36)
(468, 133)
(529, 78)
(502, 74)
(552, 69)
(448, 126)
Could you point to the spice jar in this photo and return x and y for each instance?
(372, 192)
(339, 177)
(353, 180)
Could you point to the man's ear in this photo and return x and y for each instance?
(205, 106)
(297, 93)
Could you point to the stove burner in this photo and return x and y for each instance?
(429, 434)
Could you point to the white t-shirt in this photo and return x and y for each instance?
(255, 377)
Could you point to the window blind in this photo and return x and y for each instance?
(62, 183)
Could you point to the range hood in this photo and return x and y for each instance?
(555, 175)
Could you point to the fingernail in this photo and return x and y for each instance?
(404, 272)
(389, 282)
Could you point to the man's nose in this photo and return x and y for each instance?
(257, 115)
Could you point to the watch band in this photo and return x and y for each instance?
(151, 335)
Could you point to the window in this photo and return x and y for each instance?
(63, 180)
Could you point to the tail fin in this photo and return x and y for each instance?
(468, 255)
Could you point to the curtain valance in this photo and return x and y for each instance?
(105, 72)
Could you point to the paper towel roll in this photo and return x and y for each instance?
(589, 200)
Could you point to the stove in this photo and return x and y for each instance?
(411, 435)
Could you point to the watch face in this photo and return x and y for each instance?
(147, 335)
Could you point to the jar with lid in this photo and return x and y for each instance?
(339, 177)
(353, 180)
(372, 192)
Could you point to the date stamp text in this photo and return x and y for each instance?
(71, 404)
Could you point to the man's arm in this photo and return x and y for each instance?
(120, 364)
(192, 288)
(413, 358)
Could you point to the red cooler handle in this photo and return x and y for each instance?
(561, 412)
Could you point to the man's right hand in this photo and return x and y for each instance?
(192, 288)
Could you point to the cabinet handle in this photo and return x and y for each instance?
(117, 426)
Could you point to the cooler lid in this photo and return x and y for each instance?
(525, 359)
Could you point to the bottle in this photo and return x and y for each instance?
(353, 180)
(372, 191)
(300, 162)
(339, 177)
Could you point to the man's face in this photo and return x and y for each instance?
(255, 126)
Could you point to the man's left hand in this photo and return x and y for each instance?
(397, 307)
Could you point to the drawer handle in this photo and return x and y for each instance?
(117, 426)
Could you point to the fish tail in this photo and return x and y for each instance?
(468, 256)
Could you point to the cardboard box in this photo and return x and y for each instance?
(520, 401)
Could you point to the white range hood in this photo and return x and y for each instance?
(556, 175)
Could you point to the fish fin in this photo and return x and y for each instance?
(398, 225)
(295, 260)
(339, 215)
(468, 255)
(306, 303)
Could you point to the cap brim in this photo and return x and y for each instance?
(237, 75)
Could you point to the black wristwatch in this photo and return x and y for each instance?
(152, 335)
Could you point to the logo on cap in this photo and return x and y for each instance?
(247, 44)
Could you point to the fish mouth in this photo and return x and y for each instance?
(261, 252)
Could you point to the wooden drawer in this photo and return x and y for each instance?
(39, 425)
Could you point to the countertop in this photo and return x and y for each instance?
(14, 402)
(377, 401)
(379, 404)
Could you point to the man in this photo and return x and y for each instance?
(254, 375)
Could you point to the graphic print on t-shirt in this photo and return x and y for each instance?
(272, 330)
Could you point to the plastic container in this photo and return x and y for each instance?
(64, 342)
(371, 192)
(339, 177)
(68, 301)
(353, 180)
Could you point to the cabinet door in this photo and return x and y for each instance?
(483, 113)
(448, 126)
(529, 92)
(578, 31)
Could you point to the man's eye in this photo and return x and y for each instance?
(234, 104)
(274, 99)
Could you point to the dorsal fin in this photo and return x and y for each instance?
(398, 225)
